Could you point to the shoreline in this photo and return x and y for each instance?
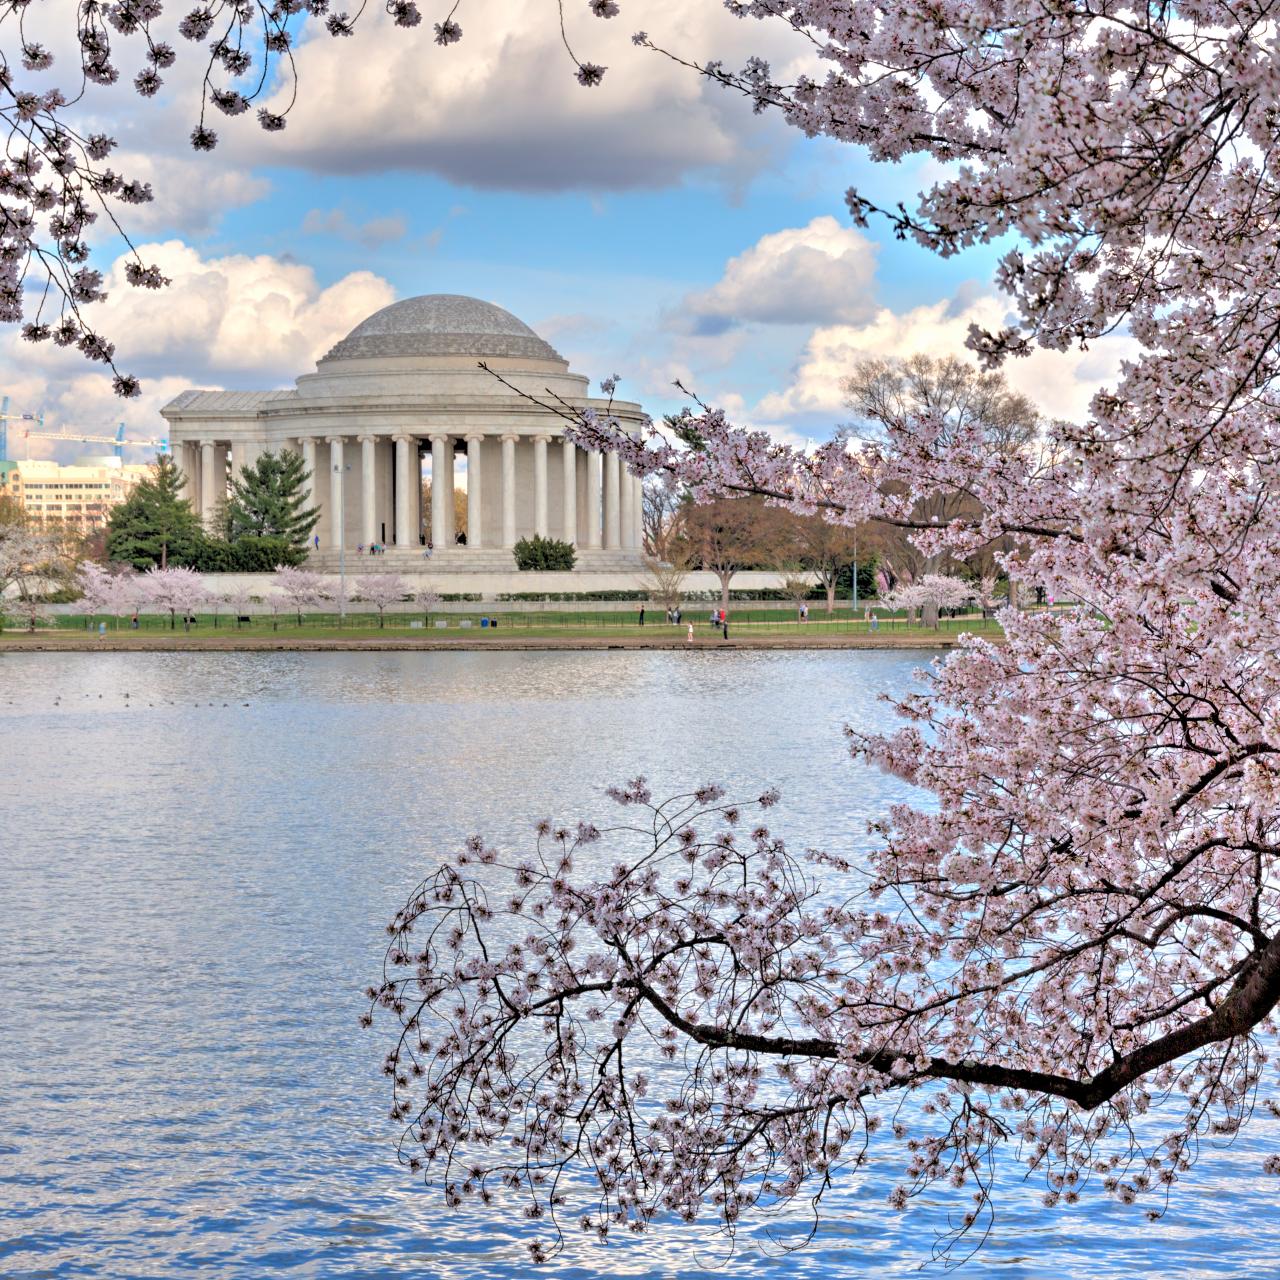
(73, 642)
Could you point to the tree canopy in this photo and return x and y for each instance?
(269, 500)
(1070, 957)
(155, 523)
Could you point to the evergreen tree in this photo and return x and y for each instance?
(156, 523)
(269, 500)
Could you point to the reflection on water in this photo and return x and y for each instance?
(198, 856)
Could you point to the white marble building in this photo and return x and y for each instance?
(402, 396)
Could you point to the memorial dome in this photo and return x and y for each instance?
(442, 324)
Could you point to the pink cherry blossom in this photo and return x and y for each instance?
(1070, 958)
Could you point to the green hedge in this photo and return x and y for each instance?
(543, 554)
(573, 595)
(250, 554)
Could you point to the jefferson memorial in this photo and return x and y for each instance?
(402, 392)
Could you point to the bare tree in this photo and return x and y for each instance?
(796, 587)
(729, 535)
(822, 548)
(664, 580)
(661, 504)
(959, 397)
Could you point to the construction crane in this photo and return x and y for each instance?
(117, 441)
(5, 418)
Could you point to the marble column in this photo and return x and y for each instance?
(441, 490)
(612, 522)
(208, 476)
(337, 511)
(508, 491)
(404, 479)
(368, 491)
(308, 444)
(593, 501)
(475, 497)
(417, 533)
(540, 486)
(239, 457)
(637, 514)
(187, 456)
(569, 469)
(626, 506)
(450, 508)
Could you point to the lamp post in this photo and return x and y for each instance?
(342, 547)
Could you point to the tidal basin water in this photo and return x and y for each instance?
(197, 857)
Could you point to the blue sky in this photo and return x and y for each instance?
(652, 227)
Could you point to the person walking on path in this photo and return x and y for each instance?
(642, 615)
(689, 638)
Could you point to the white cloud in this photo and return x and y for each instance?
(372, 234)
(237, 320)
(83, 403)
(1060, 383)
(191, 193)
(502, 109)
(823, 273)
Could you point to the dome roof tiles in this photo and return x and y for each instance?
(442, 324)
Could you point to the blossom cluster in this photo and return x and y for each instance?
(1073, 952)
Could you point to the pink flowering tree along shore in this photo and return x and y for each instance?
(930, 593)
(1069, 957)
(381, 590)
(175, 591)
(302, 588)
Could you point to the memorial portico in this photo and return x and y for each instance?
(403, 394)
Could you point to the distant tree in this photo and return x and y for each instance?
(929, 594)
(123, 592)
(888, 394)
(664, 578)
(30, 561)
(302, 588)
(728, 535)
(238, 600)
(95, 584)
(428, 599)
(824, 549)
(382, 589)
(175, 590)
(459, 506)
(11, 510)
(661, 501)
(155, 523)
(796, 588)
(269, 500)
(539, 553)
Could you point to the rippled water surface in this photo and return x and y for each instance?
(197, 856)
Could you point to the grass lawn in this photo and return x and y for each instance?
(744, 622)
